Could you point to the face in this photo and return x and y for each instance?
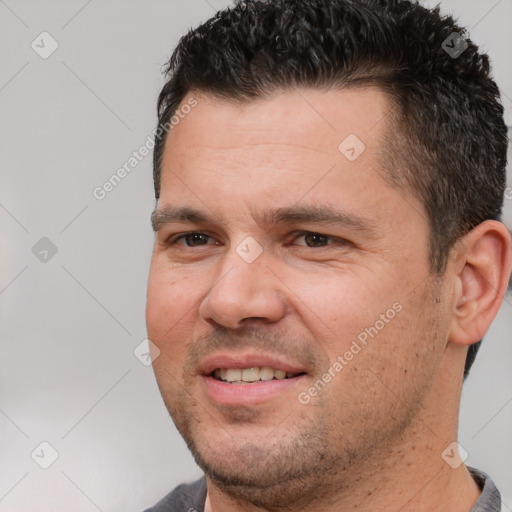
(290, 290)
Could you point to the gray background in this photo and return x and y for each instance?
(69, 326)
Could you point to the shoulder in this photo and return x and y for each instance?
(490, 499)
(185, 498)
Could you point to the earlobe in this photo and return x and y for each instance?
(481, 265)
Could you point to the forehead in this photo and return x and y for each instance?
(308, 118)
(292, 135)
(305, 146)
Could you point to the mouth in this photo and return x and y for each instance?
(251, 375)
(249, 379)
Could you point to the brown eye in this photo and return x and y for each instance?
(192, 239)
(314, 239)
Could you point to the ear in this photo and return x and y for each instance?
(481, 267)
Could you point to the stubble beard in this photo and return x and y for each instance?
(272, 471)
(301, 462)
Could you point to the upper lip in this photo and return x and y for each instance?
(242, 361)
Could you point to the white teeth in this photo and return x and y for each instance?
(266, 373)
(233, 374)
(250, 374)
(239, 376)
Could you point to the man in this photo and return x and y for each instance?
(329, 179)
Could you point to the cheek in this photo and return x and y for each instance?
(336, 307)
(157, 304)
(166, 328)
(169, 298)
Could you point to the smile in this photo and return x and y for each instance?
(249, 375)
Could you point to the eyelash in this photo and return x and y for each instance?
(173, 240)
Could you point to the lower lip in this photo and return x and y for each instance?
(250, 393)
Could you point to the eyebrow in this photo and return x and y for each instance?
(297, 214)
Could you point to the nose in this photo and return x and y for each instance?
(243, 291)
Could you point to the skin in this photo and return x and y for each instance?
(373, 437)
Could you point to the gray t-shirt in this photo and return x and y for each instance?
(191, 497)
